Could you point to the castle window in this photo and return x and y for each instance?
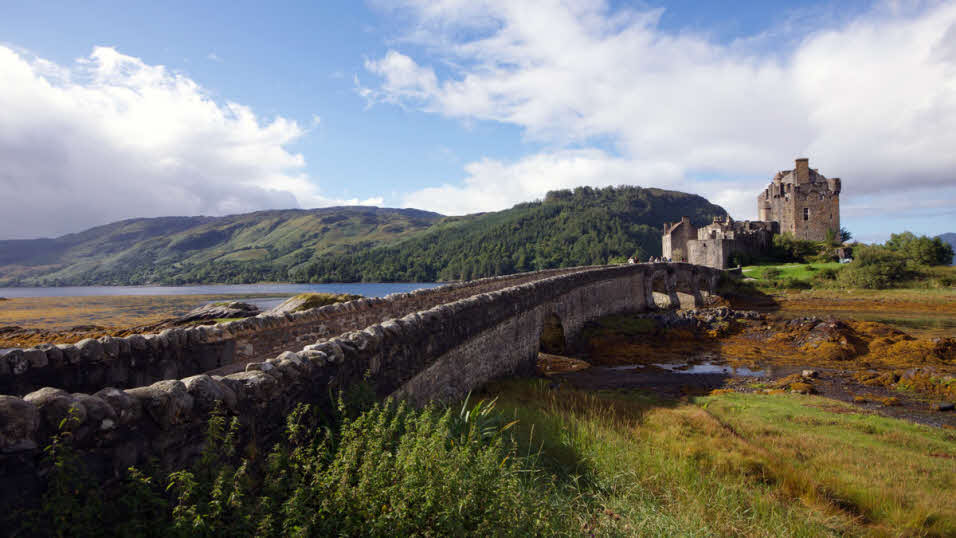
(806, 213)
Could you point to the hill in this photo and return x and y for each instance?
(180, 250)
(347, 244)
(581, 227)
(951, 239)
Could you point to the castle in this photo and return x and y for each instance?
(801, 202)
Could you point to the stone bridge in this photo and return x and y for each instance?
(148, 396)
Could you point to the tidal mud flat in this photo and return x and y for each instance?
(875, 366)
(28, 321)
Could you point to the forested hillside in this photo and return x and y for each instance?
(581, 227)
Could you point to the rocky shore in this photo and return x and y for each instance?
(679, 353)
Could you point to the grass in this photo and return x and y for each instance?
(927, 280)
(543, 462)
(737, 464)
(796, 271)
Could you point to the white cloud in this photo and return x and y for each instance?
(112, 137)
(871, 100)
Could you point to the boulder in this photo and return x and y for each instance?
(232, 309)
(308, 301)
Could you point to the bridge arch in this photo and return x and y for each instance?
(552, 338)
(661, 292)
(687, 289)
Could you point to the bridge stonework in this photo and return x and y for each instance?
(435, 344)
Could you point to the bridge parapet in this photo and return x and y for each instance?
(139, 360)
(440, 352)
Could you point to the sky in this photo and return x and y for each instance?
(114, 110)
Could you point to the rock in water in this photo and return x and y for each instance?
(234, 309)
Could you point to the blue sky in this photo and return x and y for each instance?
(468, 106)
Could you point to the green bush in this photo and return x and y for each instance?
(825, 277)
(772, 273)
(787, 248)
(875, 267)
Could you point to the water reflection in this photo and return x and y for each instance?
(708, 367)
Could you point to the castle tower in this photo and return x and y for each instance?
(803, 201)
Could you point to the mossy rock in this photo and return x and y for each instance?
(308, 301)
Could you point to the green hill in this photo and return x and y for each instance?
(346, 244)
(180, 250)
(581, 227)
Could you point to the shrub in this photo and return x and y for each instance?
(795, 284)
(772, 273)
(788, 248)
(875, 267)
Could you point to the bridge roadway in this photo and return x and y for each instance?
(145, 396)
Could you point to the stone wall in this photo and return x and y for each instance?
(676, 236)
(139, 360)
(441, 352)
(792, 192)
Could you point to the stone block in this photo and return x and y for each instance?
(91, 350)
(167, 402)
(111, 347)
(15, 362)
(127, 408)
(58, 409)
(100, 415)
(254, 387)
(19, 421)
(207, 391)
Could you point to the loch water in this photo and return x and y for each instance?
(264, 296)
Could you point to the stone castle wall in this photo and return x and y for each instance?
(441, 352)
(675, 239)
(803, 201)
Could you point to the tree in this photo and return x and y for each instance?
(921, 250)
(845, 234)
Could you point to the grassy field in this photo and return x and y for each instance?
(824, 276)
(736, 464)
(797, 271)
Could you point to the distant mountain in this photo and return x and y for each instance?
(951, 239)
(344, 244)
